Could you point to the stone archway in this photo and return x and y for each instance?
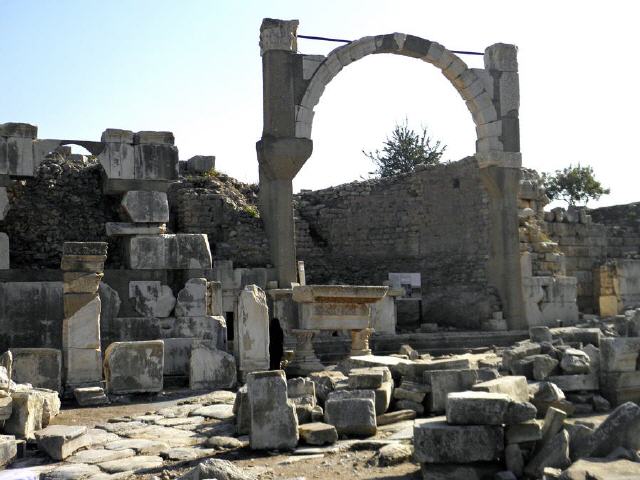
(292, 86)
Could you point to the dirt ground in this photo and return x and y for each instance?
(345, 464)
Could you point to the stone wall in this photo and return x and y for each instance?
(434, 221)
(62, 202)
(622, 225)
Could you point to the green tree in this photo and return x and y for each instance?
(573, 185)
(404, 150)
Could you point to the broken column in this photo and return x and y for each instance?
(274, 424)
(82, 264)
(251, 343)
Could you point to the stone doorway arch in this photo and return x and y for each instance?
(292, 86)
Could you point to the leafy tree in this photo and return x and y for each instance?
(404, 150)
(573, 185)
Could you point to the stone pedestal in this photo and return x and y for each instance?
(82, 264)
(304, 360)
(360, 342)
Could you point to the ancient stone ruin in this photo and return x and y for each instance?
(159, 319)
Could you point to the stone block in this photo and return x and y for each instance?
(8, 449)
(83, 263)
(620, 387)
(517, 353)
(116, 229)
(211, 368)
(177, 355)
(81, 329)
(85, 249)
(134, 367)
(252, 330)
(151, 298)
(435, 441)
(413, 391)
(553, 423)
(544, 395)
(155, 162)
(318, 433)
(477, 408)
(61, 441)
(502, 57)
(75, 301)
(41, 367)
(524, 432)
(515, 387)
(82, 365)
(242, 411)
(201, 164)
(470, 471)
(351, 412)
(4, 251)
(145, 207)
(274, 424)
(366, 378)
(171, 252)
(619, 354)
(90, 396)
(153, 138)
(544, 366)
(81, 282)
(5, 405)
(575, 383)
(554, 454)
(207, 327)
(192, 299)
(575, 361)
(620, 429)
(4, 203)
(26, 414)
(443, 382)
(117, 160)
(50, 404)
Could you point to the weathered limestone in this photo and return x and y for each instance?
(443, 382)
(274, 424)
(4, 251)
(90, 396)
(8, 449)
(82, 264)
(151, 298)
(515, 386)
(554, 454)
(575, 361)
(171, 251)
(26, 414)
(251, 344)
(61, 441)
(482, 408)
(620, 429)
(464, 444)
(5, 405)
(133, 367)
(201, 164)
(41, 367)
(198, 298)
(351, 412)
(318, 433)
(210, 368)
(145, 207)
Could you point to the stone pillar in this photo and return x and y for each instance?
(251, 336)
(360, 342)
(82, 266)
(500, 172)
(304, 360)
(280, 153)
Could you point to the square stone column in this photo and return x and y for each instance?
(82, 266)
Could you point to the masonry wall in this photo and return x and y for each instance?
(622, 226)
(433, 221)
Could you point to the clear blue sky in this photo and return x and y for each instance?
(193, 67)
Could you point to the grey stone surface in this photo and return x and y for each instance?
(369, 378)
(471, 471)
(135, 464)
(543, 366)
(210, 368)
(530, 431)
(26, 414)
(477, 408)
(8, 449)
(553, 454)
(141, 446)
(394, 454)
(201, 164)
(621, 428)
(192, 299)
(619, 354)
(93, 456)
(217, 469)
(464, 444)
(218, 412)
(133, 367)
(251, 346)
(318, 433)
(72, 471)
(573, 383)
(151, 298)
(5, 405)
(514, 460)
(601, 469)
(514, 386)
(41, 367)
(351, 412)
(242, 411)
(273, 420)
(575, 361)
(443, 382)
(61, 441)
(145, 207)
(170, 251)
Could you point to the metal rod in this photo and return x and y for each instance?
(342, 40)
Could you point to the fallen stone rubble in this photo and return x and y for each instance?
(534, 410)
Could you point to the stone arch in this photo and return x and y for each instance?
(473, 85)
